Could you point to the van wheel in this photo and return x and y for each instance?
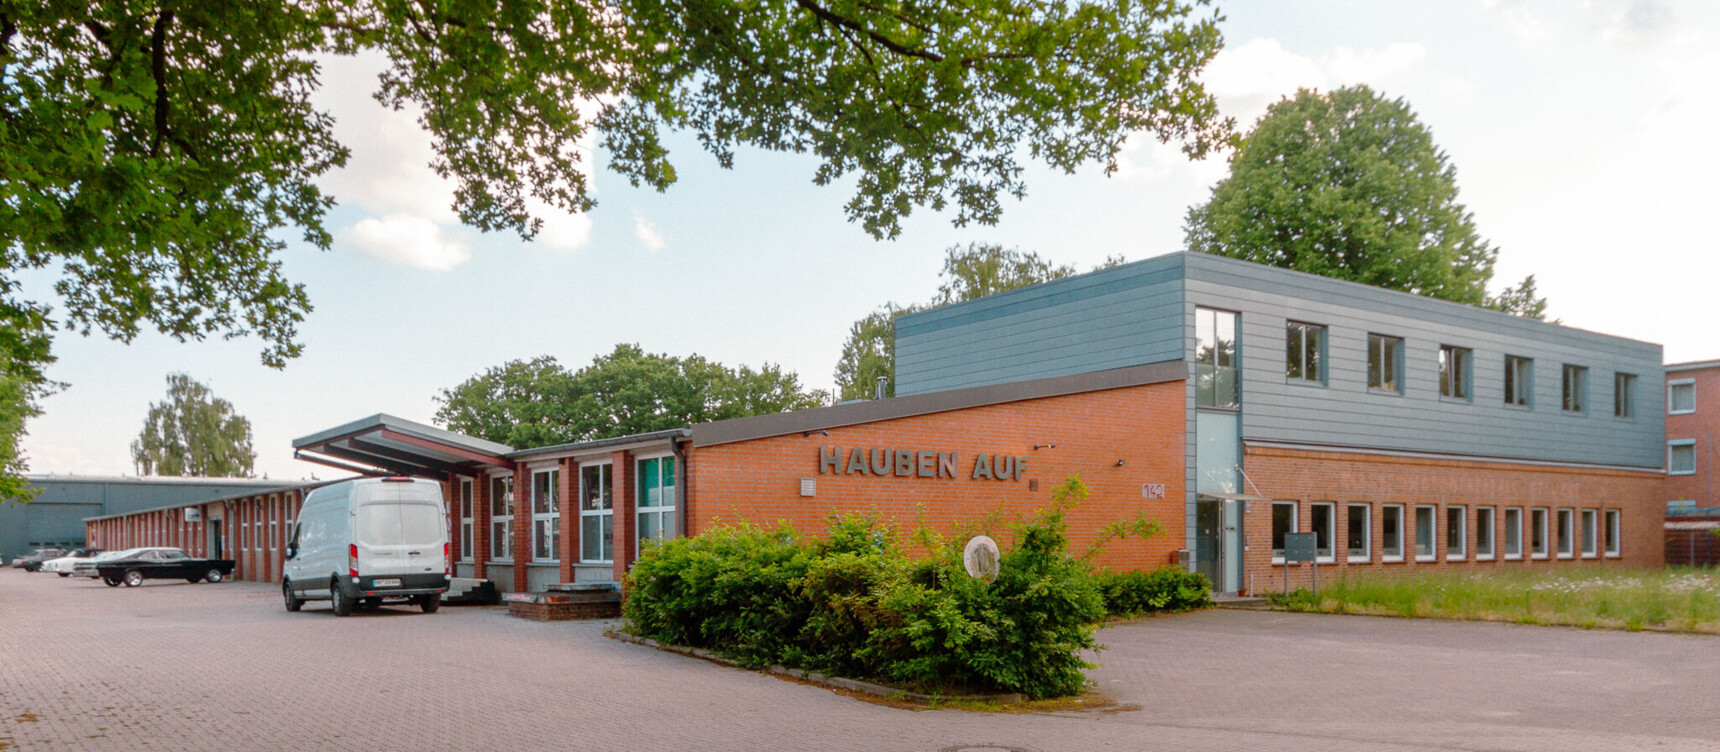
(133, 578)
(213, 576)
(430, 603)
(338, 599)
(293, 604)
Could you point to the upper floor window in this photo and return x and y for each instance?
(1519, 380)
(1215, 358)
(1681, 396)
(1454, 372)
(1681, 457)
(1385, 363)
(1576, 389)
(1624, 395)
(1305, 352)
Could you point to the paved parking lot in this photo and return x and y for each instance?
(224, 667)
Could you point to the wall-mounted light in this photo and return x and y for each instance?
(1037, 447)
(813, 431)
(1119, 463)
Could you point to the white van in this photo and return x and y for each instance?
(363, 541)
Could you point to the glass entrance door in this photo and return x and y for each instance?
(1218, 542)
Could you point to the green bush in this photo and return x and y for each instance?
(1166, 589)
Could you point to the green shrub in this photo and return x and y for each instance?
(1166, 589)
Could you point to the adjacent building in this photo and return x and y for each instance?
(55, 517)
(1692, 489)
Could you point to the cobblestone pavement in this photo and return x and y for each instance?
(174, 666)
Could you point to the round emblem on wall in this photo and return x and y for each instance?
(981, 557)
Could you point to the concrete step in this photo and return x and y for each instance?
(1246, 603)
(471, 591)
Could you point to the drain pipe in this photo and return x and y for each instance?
(680, 487)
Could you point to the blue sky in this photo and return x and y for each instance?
(1582, 135)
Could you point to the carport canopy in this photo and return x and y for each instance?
(386, 445)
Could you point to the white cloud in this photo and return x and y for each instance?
(410, 240)
(647, 234)
(1520, 20)
(1631, 22)
(560, 231)
(1248, 78)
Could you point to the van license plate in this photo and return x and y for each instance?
(385, 583)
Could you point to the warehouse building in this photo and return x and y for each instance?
(54, 517)
(1233, 402)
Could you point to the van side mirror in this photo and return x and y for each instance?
(292, 550)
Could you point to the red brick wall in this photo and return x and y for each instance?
(1307, 476)
(1703, 426)
(1142, 426)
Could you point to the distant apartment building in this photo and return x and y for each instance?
(1692, 485)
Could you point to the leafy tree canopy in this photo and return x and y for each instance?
(976, 271)
(539, 403)
(195, 433)
(155, 154)
(1349, 184)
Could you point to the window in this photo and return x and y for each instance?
(1483, 533)
(1360, 531)
(275, 526)
(1454, 372)
(466, 519)
(1456, 544)
(1283, 521)
(546, 515)
(257, 540)
(1425, 523)
(1591, 533)
(1680, 396)
(1385, 362)
(596, 515)
(1624, 395)
(1215, 359)
(502, 518)
(1322, 522)
(1576, 389)
(1612, 532)
(1391, 532)
(1567, 533)
(1681, 457)
(1513, 532)
(1305, 352)
(656, 502)
(1538, 532)
(1519, 381)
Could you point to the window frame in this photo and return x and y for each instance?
(1523, 379)
(274, 525)
(1540, 525)
(1509, 556)
(1612, 544)
(1574, 389)
(1386, 531)
(1395, 364)
(1492, 532)
(502, 525)
(468, 547)
(546, 525)
(665, 491)
(1672, 386)
(1624, 395)
(1461, 361)
(1367, 529)
(1331, 509)
(1297, 333)
(1461, 514)
(1432, 532)
(1276, 539)
(1589, 533)
(1234, 357)
(1672, 444)
(1565, 541)
(606, 477)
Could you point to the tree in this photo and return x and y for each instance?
(1350, 185)
(154, 153)
(193, 433)
(976, 271)
(539, 403)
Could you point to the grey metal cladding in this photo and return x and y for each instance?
(1123, 316)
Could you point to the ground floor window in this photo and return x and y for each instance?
(596, 515)
(546, 515)
(502, 518)
(1283, 522)
(1612, 532)
(466, 519)
(1591, 533)
(656, 498)
(1322, 522)
(1484, 533)
(1456, 531)
(1538, 532)
(1425, 523)
(1391, 532)
(1360, 530)
(1567, 533)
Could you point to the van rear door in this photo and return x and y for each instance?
(401, 528)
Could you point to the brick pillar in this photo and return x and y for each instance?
(522, 527)
(568, 507)
(621, 485)
(480, 526)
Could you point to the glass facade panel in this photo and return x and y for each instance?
(1216, 384)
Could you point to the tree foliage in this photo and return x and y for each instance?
(539, 403)
(193, 433)
(1349, 184)
(976, 271)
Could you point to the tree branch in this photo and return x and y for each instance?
(7, 31)
(890, 44)
(158, 70)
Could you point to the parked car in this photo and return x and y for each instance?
(33, 560)
(161, 564)
(63, 565)
(88, 568)
(363, 541)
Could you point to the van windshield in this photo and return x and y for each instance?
(385, 524)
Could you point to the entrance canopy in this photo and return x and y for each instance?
(384, 444)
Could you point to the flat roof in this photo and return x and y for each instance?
(300, 486)
(396, 445)
(1694, 365)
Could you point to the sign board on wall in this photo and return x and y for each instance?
(915, 463)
